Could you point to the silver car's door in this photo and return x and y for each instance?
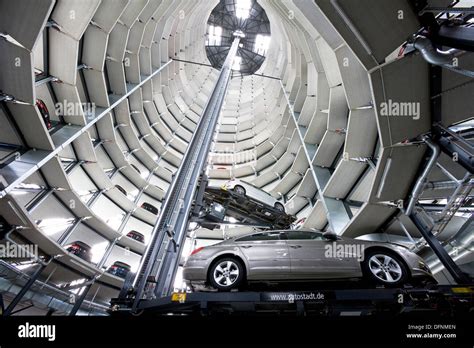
(267, 256)
(312, 257)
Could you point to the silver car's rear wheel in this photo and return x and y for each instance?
(226, 274)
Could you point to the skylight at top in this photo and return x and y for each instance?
(243, 18)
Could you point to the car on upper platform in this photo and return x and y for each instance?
(250, 191)
(300, 255)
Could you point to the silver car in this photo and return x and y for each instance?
(301, 255)
(248, 190)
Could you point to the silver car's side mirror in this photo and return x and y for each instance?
(330, 236)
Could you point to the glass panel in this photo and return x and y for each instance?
(261, 236)
(303, 235)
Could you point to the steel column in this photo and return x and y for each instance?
(159, 265)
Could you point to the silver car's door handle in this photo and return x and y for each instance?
(246, 246)
(295, 246)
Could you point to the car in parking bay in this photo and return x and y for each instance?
(121, 189)
(43, 109)
(119, 269)
(300, 255)
(245, 189)
(135, 235)
(150, 208)
(80, 249)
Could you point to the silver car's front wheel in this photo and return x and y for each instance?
(226, 274)
(385, 268)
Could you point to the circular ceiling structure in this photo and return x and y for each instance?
(243, 18)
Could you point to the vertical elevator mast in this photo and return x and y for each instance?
(160, 262)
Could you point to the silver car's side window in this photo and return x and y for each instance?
(260, 236)
(304, 235)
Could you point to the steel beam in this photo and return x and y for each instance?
(459, 37)
(455, 146)
(80, 300)
(336, 213)
(24, 290)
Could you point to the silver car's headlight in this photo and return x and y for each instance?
(422, 265)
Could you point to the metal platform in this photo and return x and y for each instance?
(439, 300)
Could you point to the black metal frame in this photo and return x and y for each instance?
(332, 301)
(447, 142)
(459, 276)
